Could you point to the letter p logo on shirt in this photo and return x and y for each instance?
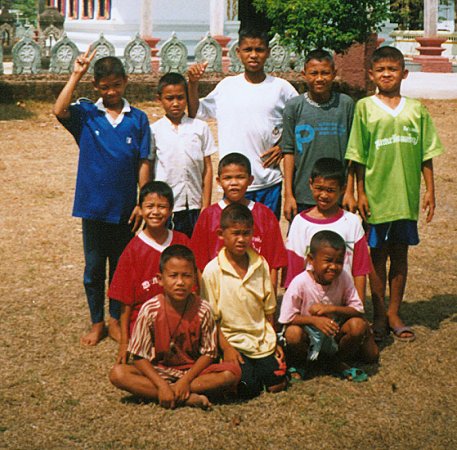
(303, 135)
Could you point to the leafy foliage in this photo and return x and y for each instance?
(409, 14)
(332, 24)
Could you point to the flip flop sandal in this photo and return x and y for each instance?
(398, 331)
(354, 374)
(291, 371)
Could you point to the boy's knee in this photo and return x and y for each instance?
(356, 327)
(294, 335)
(117, 375)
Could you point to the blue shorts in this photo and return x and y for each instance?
(397, 232)
(270, 196)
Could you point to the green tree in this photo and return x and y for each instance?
(28, 8)
(409, 14)
(332, 24)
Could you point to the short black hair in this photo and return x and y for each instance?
(329, 169)
(171, 78)
(326, 238)
(390, 53)
(107, 66)
(253, 33)
(177, 251)
(157, 187)
(236, 213)
(319, 55)
(234, 158)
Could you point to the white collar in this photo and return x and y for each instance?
(393, 112)
(223, 205)
(125, 108)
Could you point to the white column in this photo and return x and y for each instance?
(430, 17)
(146, 18)
(216, 17)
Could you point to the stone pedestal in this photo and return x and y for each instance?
(430, 57)
(155, 61)
(223, 42)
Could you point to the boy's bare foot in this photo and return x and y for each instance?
(199, 401)
(95, 335)
(380, 329)
(114, 330)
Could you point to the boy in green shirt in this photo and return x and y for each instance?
(392, 141)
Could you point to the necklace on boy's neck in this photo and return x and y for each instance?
(319, 105)
(173, 335)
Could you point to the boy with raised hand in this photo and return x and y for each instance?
(182, 153)
(316, 125)
(234, 176)
(135, 280)
(238, 287)
(392, 141)
(174, 342)
(248, 108)
(327, 183)
(114, 144)
(322, 312)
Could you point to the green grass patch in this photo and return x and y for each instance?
(15, 112)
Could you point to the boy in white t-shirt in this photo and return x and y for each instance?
(182, 149)
(248, 108)
(327, 183)
(322, 312)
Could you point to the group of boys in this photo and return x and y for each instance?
(201, 321)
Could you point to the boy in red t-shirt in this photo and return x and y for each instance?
(234, 176)
(135, 280)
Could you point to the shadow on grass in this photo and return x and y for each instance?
(428, 313)
(14, 112)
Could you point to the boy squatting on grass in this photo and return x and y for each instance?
(114, 145)
(181, 150)
(322, 313)
(316, 125)
(135, 280)
(174, 342)
(327, 183)
(238, 287)
(392, 141)
(234, 176)
(248, 108)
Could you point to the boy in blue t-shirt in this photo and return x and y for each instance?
(114, 145)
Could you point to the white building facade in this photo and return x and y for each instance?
(121, 20)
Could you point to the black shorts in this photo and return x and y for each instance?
(260, 373)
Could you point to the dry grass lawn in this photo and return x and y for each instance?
(56, 394)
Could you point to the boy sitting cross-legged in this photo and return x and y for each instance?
(234, 176)
(322, 312)
(174, 342)
(327, 184)
(135, 280)
(238, 286)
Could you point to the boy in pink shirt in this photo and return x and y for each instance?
(322, 312)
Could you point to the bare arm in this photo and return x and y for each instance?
(349, 203)
(362, 201)
(63, 101)
(428, 203)
(360, 283)
(126, 312)
(207, 182)
(290, 204)
(144, 175)
(230, 353)
(195, 72)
